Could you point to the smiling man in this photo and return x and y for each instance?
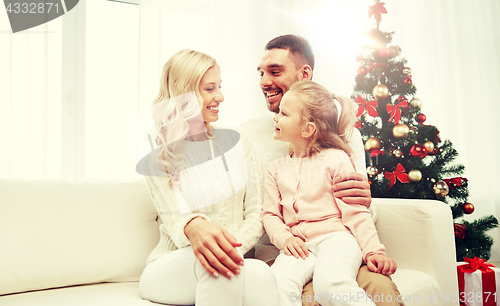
(286, 60)
(278, 72)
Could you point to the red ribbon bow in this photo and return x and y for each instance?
(459, 230)
(376, 152)
(376, 10)
(399, 173)
(370, 107)
(456, 181)
(358, 125)
(436, 138)
(395, 112)
(475, 264)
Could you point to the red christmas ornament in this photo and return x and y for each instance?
(421, 118)
(468, 208)
(459, 230)
(408, 79)
(384, 52)
(418, 150)
(362, 71)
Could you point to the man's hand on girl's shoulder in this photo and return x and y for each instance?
(352, 188)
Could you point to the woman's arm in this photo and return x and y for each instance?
(212, 245)
(215, 246)
(168, 204)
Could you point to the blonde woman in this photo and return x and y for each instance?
(206, 186)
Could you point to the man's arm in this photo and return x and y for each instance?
(353, 187)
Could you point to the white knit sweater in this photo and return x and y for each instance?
(231, 199)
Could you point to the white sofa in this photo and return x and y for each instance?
(85, 242)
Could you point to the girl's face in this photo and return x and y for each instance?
(288, 122)
(211, 94)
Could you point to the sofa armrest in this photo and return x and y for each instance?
(419, 235)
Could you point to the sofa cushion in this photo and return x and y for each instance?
(56, 233)
(105, 294)
(416, 288)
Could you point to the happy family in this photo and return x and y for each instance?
(311, 201)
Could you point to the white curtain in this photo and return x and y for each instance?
(451, 47)
(30, 101)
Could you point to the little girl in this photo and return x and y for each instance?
(317, 234)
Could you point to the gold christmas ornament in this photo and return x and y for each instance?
(415, 175)
(380, 92)
(407, 70)
(429, 145)
(441, 188)
(372, 143)
(400, 131)
(371, 171)
(416, 103)
(397, 153)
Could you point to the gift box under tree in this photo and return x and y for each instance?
(477, 283)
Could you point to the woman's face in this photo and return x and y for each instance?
(211, 94)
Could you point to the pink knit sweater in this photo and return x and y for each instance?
(298, 201)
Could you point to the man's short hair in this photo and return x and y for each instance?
(296, 45)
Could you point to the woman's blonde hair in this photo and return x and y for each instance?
(179, 85)
(318, 107)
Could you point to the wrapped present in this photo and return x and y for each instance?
(477, 283)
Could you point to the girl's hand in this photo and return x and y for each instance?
(296, 247)
(381, 264)
(214, 247)
(352, 188)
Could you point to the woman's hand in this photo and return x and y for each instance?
(381, 264)
(296, 247)
(214, 247)
(352, 188)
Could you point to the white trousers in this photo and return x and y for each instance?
(179, 278)
(334, 260)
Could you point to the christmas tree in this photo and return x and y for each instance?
(407, 158)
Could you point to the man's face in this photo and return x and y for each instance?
(277, 73)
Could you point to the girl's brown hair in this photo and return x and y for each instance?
(318, 107)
